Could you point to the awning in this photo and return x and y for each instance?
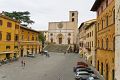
(5, 52)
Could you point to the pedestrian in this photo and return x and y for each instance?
(22, 63)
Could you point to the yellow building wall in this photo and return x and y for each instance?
(104, 55)
(3, 43)
(26, 43)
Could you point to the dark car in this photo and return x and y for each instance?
(82, 64)
(84, 69)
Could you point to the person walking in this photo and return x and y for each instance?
(22, 62)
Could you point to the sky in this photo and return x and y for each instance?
(44, 11)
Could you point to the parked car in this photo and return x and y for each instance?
(82, 75)
(95, 77)
(82, 64)
(31, 55)
(79, 66)
(85, 69)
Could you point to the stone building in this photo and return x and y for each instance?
(117, 39)
(64, 32)
(90, 39)
(87, 40)
(105, 54)
(28, 41)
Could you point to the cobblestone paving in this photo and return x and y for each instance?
(56, 67)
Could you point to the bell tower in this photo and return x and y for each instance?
(73, 16)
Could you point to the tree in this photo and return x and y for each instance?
(42, 38)
(23, 17)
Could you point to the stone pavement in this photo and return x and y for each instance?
(56, 67)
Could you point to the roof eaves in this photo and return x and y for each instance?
(81, 25)
(96, 5)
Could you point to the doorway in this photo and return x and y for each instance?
(107, 78)
(60, 40)
(8, 55)
(21, 52)
(68, 40)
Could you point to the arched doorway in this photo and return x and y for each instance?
(69, 41)
(51, 40)
(107, 75)
(60, 38)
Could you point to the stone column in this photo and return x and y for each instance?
(117, 39)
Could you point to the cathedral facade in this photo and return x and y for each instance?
(64, 32)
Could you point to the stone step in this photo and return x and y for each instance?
(56, 48)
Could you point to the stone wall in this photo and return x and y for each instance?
(117, 34)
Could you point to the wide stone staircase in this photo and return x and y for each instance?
(56, 48)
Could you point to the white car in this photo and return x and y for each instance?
(82, 75)
(31, 55)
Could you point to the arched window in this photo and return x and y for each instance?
(73, 14)
(69, 34)
(98, 27)
(102, 24)
(106, 21)
(73, 19)
(107, 42)
(102, 43)
(51, 34)
(51, 40)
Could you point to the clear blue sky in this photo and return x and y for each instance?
(44, 11)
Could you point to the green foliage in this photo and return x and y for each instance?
(20, 16)
(41, 37)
